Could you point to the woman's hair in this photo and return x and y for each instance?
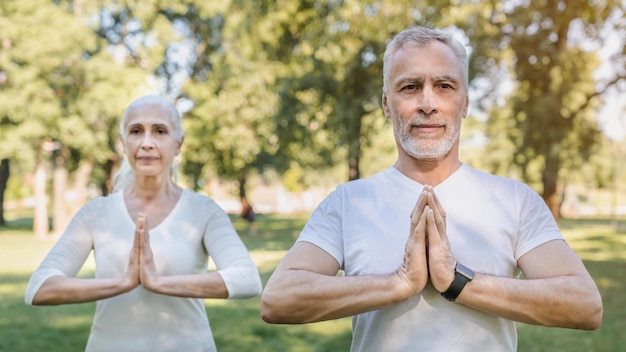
(420, 36)
(125, 175)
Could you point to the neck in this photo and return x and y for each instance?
(148, 190)
(428, 171)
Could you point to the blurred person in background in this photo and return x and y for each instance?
(151, 240)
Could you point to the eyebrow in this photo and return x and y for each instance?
(446, 78)
(419, 80)
(156, 125)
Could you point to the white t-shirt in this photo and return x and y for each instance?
(141, 320)
(491, 222)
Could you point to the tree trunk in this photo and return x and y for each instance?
(243, 198)
(550, 194)
(354, 158)
(81, 181)
(354, 172)
(40, 218)
(59, 209)
(4, 178)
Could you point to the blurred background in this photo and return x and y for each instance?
(281, 99)
(281, 102)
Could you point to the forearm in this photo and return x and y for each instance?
(565, 301)
(65, 290)
(299, 296)
(207, 285)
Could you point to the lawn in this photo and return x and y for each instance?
(237, 325)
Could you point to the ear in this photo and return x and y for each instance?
(385, 105)
(466, 106)
(180, 144)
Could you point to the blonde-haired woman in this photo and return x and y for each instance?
(151, 241)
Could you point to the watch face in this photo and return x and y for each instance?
(465, 271)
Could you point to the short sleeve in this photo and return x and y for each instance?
(537, 225)
(325, 226)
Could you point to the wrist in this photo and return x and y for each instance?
(462, 275)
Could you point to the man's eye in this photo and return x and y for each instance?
(134, 131)
(410, 87)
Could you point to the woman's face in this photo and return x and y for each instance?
(150, 140)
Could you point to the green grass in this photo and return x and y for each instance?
(236, 324)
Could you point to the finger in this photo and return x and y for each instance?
(438, 212)
(418, 209)
(141, 221)
(434, 202)
(142, 225)
(418, 233)
(139, 227)
(145, 243)
(431, 225)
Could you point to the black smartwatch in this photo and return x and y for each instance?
(462, 275)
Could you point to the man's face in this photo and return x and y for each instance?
(426, 100)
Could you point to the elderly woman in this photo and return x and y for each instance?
(151, 241)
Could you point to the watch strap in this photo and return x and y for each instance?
(462, 275)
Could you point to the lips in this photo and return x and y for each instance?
(427, 127)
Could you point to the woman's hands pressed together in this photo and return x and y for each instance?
(141, 267)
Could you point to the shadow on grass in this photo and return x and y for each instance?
(18, 225)
(274, 233)
(618, 225)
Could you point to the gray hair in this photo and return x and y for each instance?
(420, 36)
(125, 176)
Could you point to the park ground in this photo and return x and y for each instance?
(237, 325)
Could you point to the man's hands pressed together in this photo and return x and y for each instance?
(427, 255)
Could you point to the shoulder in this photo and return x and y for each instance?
(194, 201)
(500, 187)
(101, 202)
(493, 180)
(362, 184)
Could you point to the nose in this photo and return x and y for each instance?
(427, 104)
(147, 142)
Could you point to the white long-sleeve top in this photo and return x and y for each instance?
(141, 320)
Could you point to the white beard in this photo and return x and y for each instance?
(425, 148)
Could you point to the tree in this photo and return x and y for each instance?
(332, 83)
(549, 114)
(41, 77)
(61, 98)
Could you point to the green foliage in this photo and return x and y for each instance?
(545, 129)
(294, 85)
(61, 86)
